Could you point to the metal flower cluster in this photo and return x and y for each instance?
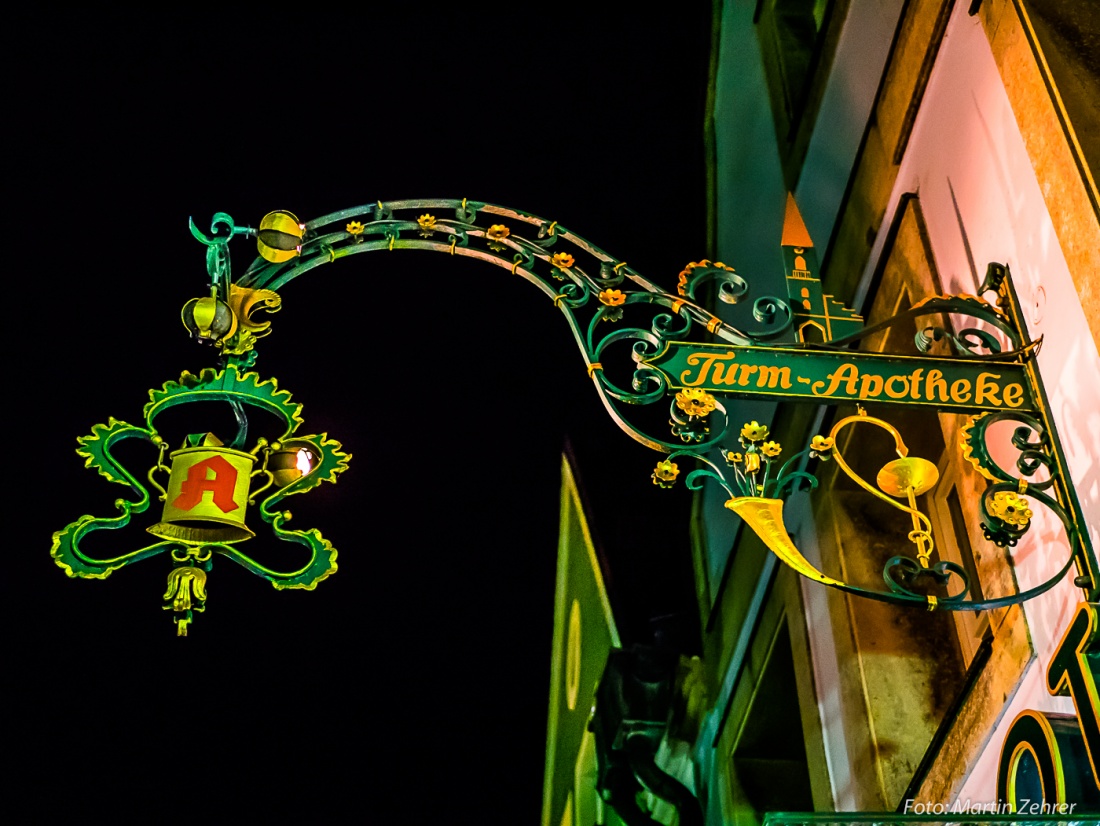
(665, 473)
(759, 453)
(561, 262)
(1005, 512)
(1010, 508)
(427, 224)
(753, 466)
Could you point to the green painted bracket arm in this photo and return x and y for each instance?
(218, 266)
(95, 448)
(321, 565)
(68, 556)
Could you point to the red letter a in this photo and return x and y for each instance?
(225, 479)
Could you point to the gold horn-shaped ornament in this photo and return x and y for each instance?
(765, 517)
(207, 494)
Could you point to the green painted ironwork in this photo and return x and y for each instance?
(233, 384)
(633, 364)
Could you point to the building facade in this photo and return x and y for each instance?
(866, 156)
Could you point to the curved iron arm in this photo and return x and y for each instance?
(591, 288)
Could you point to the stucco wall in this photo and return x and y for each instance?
(982, 201)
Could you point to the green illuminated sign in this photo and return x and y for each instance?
(822, 376)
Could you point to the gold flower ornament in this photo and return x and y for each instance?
(612, 298)
(1010, 508)
(695, 401)
(665, 474)
(754, 432)
(771, 449)
(426, 223)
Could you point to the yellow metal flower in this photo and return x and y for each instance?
(752, 462)
(426, 223)
(733, 458)
(771, 449)
(665, 474)
(612, 298)
(1009, 507)
(562, 259)
(821, 447)
(355, 228)
(754, 432)
(695, 401)
(496, 235)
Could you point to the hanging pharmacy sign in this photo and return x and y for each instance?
(829, 376)
(641, 345)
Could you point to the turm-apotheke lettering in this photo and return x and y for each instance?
(844, 375)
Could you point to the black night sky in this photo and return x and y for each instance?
(412, 686)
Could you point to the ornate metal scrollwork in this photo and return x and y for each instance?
(620, 321)
(1005, 514)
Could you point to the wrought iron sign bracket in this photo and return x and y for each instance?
(992, 376)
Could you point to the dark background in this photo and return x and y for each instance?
(411, 687)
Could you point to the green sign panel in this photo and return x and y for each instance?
(823, 376)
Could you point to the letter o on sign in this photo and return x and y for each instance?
(1043, 759)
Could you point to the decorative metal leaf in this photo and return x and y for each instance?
(227, 384)
(95, 448)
